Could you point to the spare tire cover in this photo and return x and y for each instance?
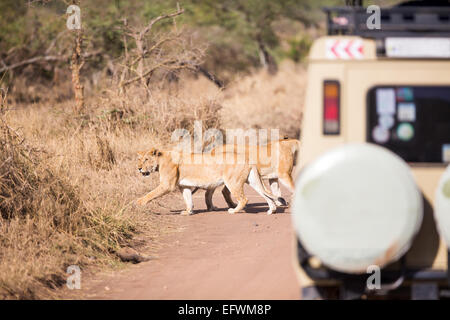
(356, 206)
(442, 206)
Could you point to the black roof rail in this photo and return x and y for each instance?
(399, 21)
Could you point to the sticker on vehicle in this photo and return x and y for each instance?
(446, 152)
(405, 94)
(405, 131)
(406, 112)
(417, 47)
(385, 101)
(386, 121)
(380, 134)
(346, 49)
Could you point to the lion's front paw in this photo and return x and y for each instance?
(232, 211)
(186, 213)
(141, 201)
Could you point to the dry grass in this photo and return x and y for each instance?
(67, 181)
(45, 225)
(264, 101)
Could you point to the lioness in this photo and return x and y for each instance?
(275, 161)
(181, 170)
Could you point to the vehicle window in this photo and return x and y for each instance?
(411, 121)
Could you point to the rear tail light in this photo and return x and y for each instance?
(331, 107)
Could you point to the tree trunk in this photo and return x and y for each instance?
(267, 61)
(140, 66)
(76, 64)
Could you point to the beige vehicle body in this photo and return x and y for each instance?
(356, 78)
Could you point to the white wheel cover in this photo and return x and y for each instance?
(356, 206)
(442, 206)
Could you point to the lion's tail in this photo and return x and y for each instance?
(258, 184)
(294, 145)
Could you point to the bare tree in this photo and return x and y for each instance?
(77, 62)
(167, 51)
(77, 56)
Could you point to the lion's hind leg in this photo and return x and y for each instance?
(237, 190)
(208, 199)
(276, 191)
(254, 180)
(287, 181)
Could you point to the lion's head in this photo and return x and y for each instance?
(148, 161)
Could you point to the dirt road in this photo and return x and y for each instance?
(215, 255)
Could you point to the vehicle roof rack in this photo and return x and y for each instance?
(399, 21)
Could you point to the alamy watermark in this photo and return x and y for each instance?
(74, 279)
(374, 280)
(74, 19)
(374, 21)
(238, 146)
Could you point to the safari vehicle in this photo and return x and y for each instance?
(371, 208)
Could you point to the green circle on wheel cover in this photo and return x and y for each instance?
(442, 206)
(405, 131)
(446, 189)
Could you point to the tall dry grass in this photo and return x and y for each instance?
(263, 101)
(67, 181)
(47, 223)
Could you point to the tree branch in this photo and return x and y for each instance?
(31, 61)
(45, 58)
(155, 20)
(148, 72)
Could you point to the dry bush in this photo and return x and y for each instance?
(25, 88)
(45, 224)
(103, 158)
(91, 149)
(263, 101)
(158, 115)
(3, 99)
